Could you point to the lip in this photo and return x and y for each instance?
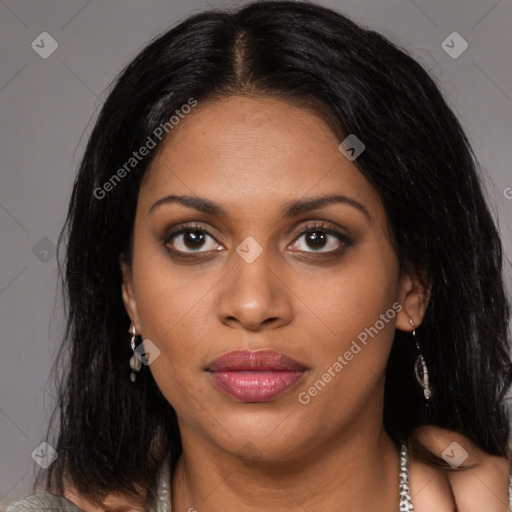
(255, 376)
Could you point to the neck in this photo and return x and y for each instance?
(356, 471)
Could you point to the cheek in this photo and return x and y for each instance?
(352, 296)
(355, 305)
(174, 305)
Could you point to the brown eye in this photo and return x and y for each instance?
(321, 239)
(189, 239)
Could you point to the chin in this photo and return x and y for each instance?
(262, 436)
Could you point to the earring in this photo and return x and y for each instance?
(420, 367)
(135, 363)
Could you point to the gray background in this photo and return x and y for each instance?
(46, 108)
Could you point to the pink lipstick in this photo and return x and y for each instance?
(255, 376)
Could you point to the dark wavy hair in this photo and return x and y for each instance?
(114, 434)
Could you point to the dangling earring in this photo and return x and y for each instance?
(135, 363)
(420, 367)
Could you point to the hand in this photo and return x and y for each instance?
(481, 481)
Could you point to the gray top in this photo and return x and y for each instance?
(40, 502)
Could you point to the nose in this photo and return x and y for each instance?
(254, 295)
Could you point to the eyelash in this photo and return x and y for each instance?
(310, 228)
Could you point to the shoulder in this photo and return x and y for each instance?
(43, 502)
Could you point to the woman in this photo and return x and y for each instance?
(284, 284)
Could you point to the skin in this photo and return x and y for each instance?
(251, 156)
(481, 481)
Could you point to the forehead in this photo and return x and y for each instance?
(252, 151)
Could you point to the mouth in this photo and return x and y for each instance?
(255, 376)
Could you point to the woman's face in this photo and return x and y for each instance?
(329, 300)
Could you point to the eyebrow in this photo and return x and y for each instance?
(289, 209)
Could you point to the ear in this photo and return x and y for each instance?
(414, 295)
(127, 292)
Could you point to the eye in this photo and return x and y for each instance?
(190, 238)
(319, 236)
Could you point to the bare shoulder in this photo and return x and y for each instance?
(478, 481)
